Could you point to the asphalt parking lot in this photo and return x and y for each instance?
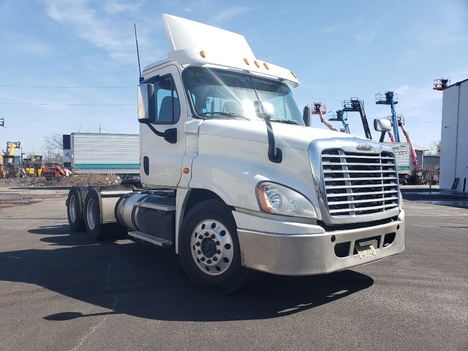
(436, 196)
(61, 291)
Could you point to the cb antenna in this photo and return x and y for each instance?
(138, 52)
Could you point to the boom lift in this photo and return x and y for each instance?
(390, 98)
(341, 116)
(319, 109)
(441, 83)
(415, 175)
(356, 105)
(401, 124)
(385, 125)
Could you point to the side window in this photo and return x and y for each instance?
(166, 100)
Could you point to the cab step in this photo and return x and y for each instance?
(150, 238)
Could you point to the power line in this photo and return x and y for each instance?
(53, 104)
(324, 99)
(59, 87)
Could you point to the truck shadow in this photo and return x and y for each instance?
(141, 280)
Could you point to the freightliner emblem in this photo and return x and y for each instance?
(364, 147)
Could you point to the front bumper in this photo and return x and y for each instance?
(294, 249)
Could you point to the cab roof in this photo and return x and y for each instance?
(198, 44)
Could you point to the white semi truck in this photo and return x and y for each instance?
(234, 179)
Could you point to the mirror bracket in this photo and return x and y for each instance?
(266, 110)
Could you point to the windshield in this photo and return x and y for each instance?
(217, 93)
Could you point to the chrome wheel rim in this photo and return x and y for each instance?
(91, 216)
(212, 247)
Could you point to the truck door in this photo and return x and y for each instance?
(161, 141)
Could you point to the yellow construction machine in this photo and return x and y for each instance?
(32, 166)
(10, 164)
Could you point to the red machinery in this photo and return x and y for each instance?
(50, 171)
(320, 110)
(401, 124)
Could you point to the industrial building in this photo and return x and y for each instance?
(454, 142)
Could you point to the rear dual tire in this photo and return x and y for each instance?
(75, 208)
(92, 217)
(84, 212)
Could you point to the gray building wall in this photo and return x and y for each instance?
(454, 139)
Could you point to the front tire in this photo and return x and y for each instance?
(209, 249)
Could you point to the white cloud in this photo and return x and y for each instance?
(449, 26)
(342, 27)
(28, 44)
(439, 34)
(365, 37)
(91, 25)
(422, 96)
(363, 32)
(116, 7)
(231, 12)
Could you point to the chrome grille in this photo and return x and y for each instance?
(358, 184)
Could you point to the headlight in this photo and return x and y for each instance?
(278, 199)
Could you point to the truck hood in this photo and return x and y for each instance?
(286, 135)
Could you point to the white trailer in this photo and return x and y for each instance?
(105, 153)
(233, 178)
(407, 172)
(403, 157)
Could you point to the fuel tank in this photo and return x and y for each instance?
(148, 212)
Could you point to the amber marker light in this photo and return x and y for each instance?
(186, 170)
(257, 64)
(202, 54)
(247, 62)
(293, 74)
(266, 65)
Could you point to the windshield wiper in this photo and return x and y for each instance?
(285, 121)
(223, 114)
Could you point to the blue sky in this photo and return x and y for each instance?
(70, 65)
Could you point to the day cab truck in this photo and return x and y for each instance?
(234, 179)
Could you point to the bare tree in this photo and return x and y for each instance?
(52, 148)
(434, 149)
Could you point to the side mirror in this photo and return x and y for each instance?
(306, 115)
(382, 125)
(146, 113)
(264, 109)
